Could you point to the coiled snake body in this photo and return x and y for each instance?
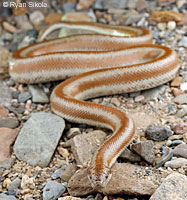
(114, 60)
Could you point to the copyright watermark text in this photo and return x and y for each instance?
(30, 4)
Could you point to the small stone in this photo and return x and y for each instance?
(36, 17)
(171, 25)
(180, 129)
(154, 93)
(164, 158)
(68, 172)
(132, 18)
(177, 163)
(141, 5)
(180, 3)
(73, 132)
(72, 198)
(115, 101)
(27, 182)
(38, 95)
(172, 108)
(183, 86)
(53, 190)
(183, 42)
(8, 122)
(161, 26)
(132, 4)
(181, 99)
(23, 97)
(15, 184)
(58, 172)
(84, 4)
(114, 4)
(177, 92)
(173, 187)
(139, 98)
(7, 163)
(129, 155)
(168, 143)
(7, 138)
(32, 144)
(185, 137)
(176, 81)
(180, 151)
(63, 152)
(145, 150)
(77, 16)
(158, 133)
(182, 112)
(6, 197)
(52, 18)
(22, 22)
(8, 27)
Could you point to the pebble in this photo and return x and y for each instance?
(176, 163)
(180, 151)
(177, 92)
(183, 86)
(10, 28)
(173, 187)
(73, 132)
(7, 163)
(164, 158)
(114, 4)
(69, 7)
(145, 150)
(8, 122)
(7, 138)
(171, 25)
(129, 155)
(139, 98)
(3, 111)
(37, 17)
(22, 22)
(15, 184)
(161, 26)
(53, 190)
(77, 16)
(58, 172)
(68, 172)
(182, 112)
(52, 18)
(32, 144)
(154, 93)
(176, 81)
(6, 197)
(158, 133)
(84, 4)
(24, 96)
(38, 95)
(183, 41)
(115, 101)
(172, 108)
(180, 129)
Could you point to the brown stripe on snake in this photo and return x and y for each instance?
(117, 60)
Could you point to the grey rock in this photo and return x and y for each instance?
(7, 163)
(6, 197)
(164, 158)
(183, 41)
(122, 182)
(182, 112)
(83, 146)
(23, 22)
(133, 18)
(146, 150)
(69, 7)
(181, 99)
(173, 187)
(172, 108)
(38, 95)
(14, 185)
(36, 17)
(158, 133)
(23, 97)
(68, 172)
(180, 151)
(177, 163)
(53, 190)
(129, 155)
(154, 93)
(5, 97)
(98, 4)
(58, 172)
(38, 138)
(132, 4)
(8, 122)
(115, 4)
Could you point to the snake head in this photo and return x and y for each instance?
(99, 179)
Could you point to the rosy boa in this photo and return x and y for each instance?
(113, 60)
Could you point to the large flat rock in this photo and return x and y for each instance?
(39, 138)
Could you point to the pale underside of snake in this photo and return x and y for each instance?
(114, 60)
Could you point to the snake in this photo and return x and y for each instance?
(107, 60)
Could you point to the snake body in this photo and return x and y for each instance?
(114, 60)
